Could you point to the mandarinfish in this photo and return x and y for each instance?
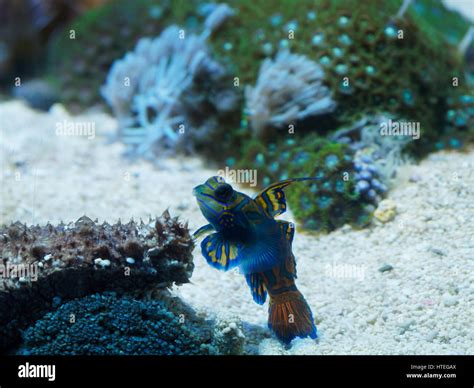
(246, 235)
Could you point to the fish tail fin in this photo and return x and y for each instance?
(289, 316)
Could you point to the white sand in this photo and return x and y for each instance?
(425, 305)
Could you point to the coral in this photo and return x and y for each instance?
(82, 258)
(288, 89)
(320, 206)
(161, 69)
(212, 107)
(459, 121)
(370, 74)
(335, 200)
(374, 154)
(168, 87)
(229, 336)
(368, 179)
(435, 14)
(102, 35)
(216, 16)
(367, 67)
(110, 325)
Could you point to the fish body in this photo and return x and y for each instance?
(242, 232)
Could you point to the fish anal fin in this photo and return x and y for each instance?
(257, 287)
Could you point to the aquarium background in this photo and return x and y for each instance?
(111, 112)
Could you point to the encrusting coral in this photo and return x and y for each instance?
(375, 59)
(107, 324)
(323, 205)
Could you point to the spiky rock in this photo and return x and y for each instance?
(82, 258)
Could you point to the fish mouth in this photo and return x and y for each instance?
(196, 191)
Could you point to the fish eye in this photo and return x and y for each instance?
(224, 192)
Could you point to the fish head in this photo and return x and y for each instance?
(218, 203)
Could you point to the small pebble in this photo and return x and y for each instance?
(450, 300)
(386, 211)
(183, 206)
(372, 319)
(406, 325)
(432, 335)
(437, 251)
(385, 268)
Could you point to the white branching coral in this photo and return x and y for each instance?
(289, 88)
(216, 18)
(151, 89)
(151, 92)
(144, 87)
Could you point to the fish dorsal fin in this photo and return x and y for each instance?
(272, 198)
(203, 230)
(220, 253)
(257, 287)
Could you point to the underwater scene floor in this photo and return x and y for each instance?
(404, 285)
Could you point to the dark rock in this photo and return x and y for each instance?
(68, 269)
(37, 94)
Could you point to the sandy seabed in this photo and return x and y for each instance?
(423, 305)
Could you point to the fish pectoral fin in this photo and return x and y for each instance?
(203, 230)
(257, 287)
(219, 252)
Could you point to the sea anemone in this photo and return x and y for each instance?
(158, 94)
(289, 88)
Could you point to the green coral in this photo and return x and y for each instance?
(409, 77)
(435, 14)
(323, 205)
(79, 66)
(459, 122)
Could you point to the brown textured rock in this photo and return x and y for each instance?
(40, 263)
